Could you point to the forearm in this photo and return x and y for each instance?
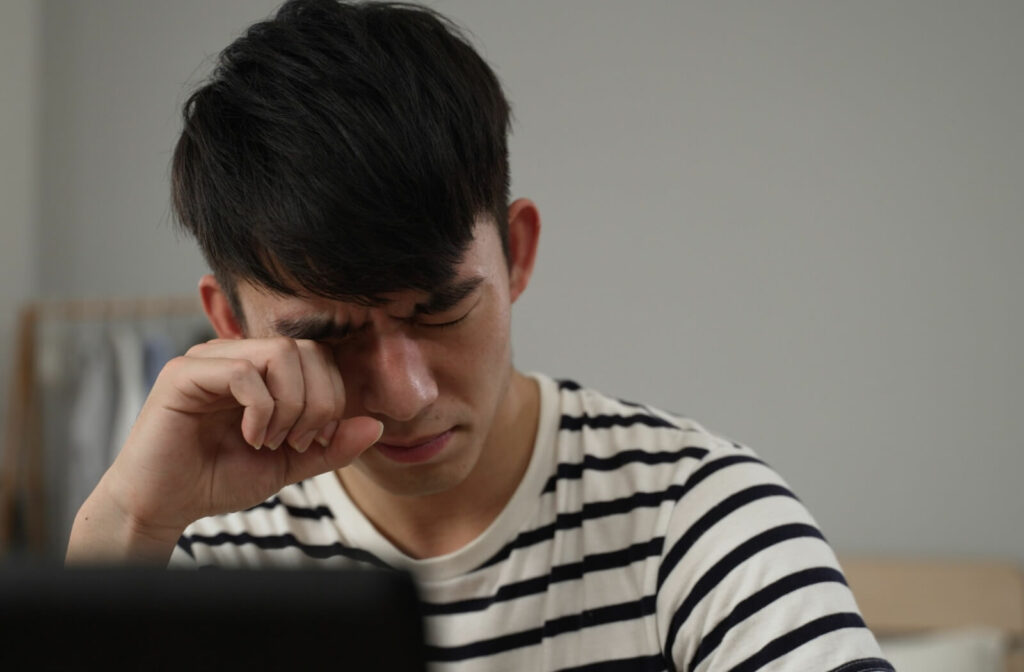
(103, 533)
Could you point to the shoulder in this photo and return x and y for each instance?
(604, 433)
(586, 409)
(696, 477)
(745, 576)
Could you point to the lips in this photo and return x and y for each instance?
(411, 451)
(408, 443)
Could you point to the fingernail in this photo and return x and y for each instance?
(380, 433)
(326, 434)
(278, 440)
(303, 443)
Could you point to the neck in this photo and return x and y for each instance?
(437, 524)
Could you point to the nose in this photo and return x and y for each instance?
(398, 382)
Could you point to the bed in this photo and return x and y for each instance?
(943, 616)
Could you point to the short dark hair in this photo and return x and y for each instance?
(343, 150)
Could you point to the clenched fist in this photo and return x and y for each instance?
(225, 426)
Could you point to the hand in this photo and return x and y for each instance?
(225, 427)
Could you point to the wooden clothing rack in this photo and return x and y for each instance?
(22, 478)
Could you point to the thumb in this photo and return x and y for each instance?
(351, 439)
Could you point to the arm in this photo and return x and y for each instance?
(225, 426)
(747, 579)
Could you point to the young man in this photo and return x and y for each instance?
(345, 172)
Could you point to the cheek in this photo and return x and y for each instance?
(487, 339)
(475, 354)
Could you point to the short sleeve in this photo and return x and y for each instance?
(748, 582)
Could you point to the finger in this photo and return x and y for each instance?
(338, 385)
(352, 438)
(278, 360)
(202, 385)
(285, 382)
(200, 347)
(322, 405)
(327, 433)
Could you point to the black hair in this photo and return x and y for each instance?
(344, 151)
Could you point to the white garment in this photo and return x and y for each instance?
(637, 540)
(90, 420)
(131, 385)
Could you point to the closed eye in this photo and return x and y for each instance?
(450, 323)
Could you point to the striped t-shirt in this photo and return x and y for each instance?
(637, 540)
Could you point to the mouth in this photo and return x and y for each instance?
(411, 451)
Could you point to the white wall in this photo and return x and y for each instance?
(115, 75)
(798, 222)
(19, 107)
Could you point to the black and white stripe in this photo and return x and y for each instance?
(647, 543)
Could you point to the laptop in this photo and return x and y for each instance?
(154, 619)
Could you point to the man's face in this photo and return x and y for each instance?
(434, 368)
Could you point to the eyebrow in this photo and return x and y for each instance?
(313, 328)
(447, 297)
(322, 327)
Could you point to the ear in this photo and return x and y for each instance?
(523, 234)
(218, 309)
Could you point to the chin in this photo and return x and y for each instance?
(421, 480)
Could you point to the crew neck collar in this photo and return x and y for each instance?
(358, 531)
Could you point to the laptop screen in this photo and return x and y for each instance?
(154, 619)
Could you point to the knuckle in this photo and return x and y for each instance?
(282, 346)
(322, 351)
(201, 349)
(264, 406)
(240, 369)
(319, 412)
(305, 344)
(313, 350)
(288, 408)
(195, 350)
(173, 367)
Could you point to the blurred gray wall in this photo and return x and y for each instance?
(20, 58)
(798, 222)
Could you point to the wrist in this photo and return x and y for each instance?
(105, 532)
